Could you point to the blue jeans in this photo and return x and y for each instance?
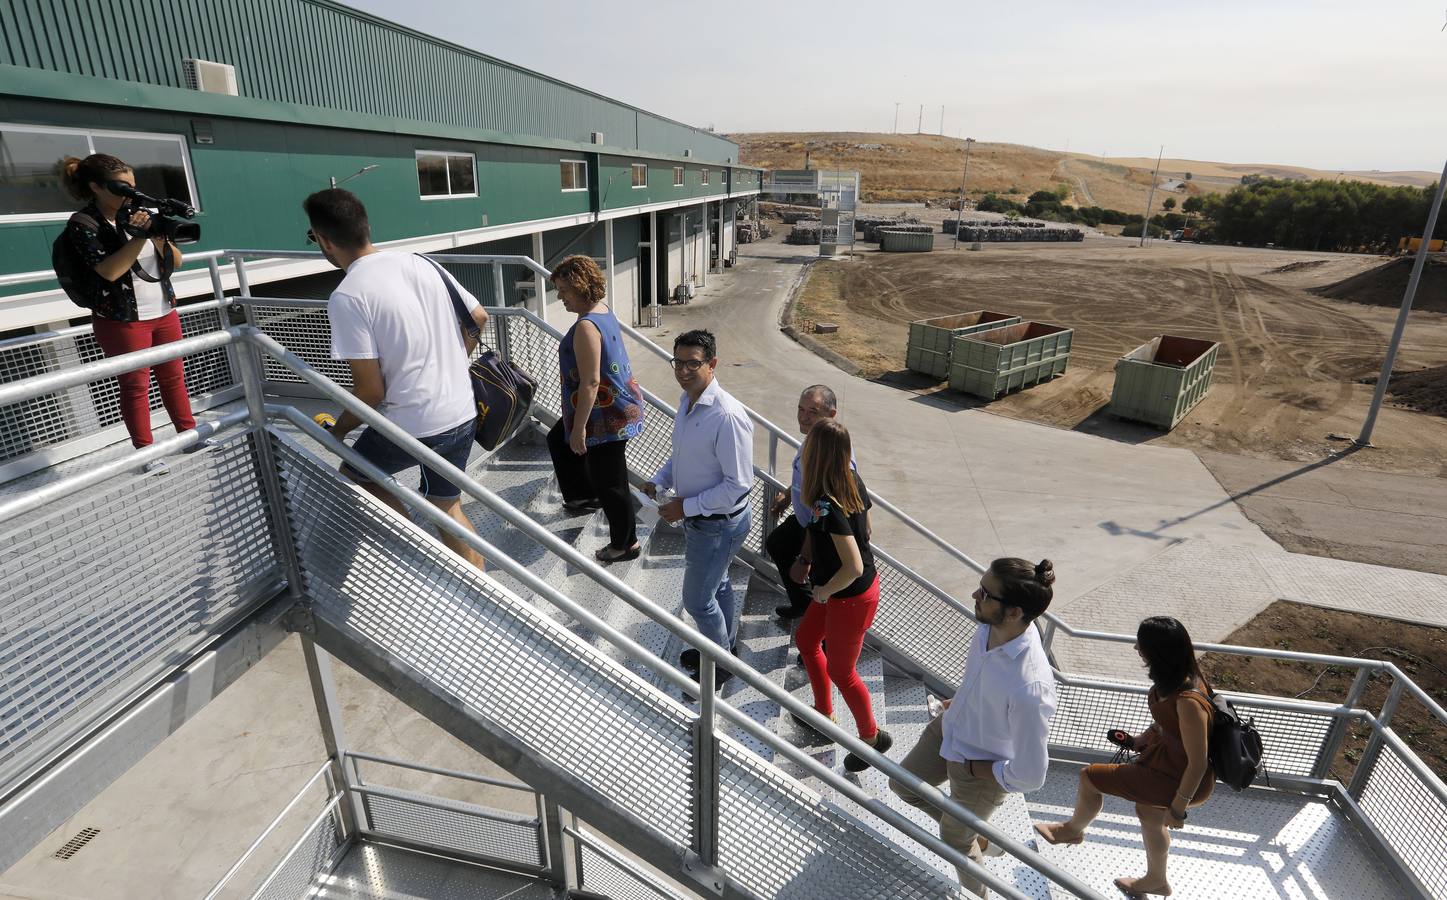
(709, 546)
(453, 445)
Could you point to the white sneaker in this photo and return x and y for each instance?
(156, 467)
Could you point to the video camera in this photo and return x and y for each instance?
(162, 223)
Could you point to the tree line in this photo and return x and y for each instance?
(1319, 215)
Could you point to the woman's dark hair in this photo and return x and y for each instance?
(581, 273)
(337, 215)
(1170, 658)
(1027, 585)
(704, 340)
(98, 168)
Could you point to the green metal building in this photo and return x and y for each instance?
(246, 106)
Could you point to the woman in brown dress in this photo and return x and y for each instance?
(1172, 771)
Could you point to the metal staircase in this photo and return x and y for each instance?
(563, 674)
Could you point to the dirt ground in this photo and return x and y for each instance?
(1417, 650)
(1295, 370)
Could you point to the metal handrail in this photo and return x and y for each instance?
(709, 651)
(466, 258)
(266, 832)
(88, 328)
(49, 274)
(59, 380)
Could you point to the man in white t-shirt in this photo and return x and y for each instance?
(394, 323)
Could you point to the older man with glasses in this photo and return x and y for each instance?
(710, 472)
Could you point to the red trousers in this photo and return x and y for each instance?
(116, 338)
(842, 621)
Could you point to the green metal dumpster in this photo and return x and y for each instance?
(989, 363)
(907, 239)
(1160, 381)
(928, 351)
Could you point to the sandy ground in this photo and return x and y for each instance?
(1294, 368)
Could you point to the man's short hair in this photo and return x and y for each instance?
(700, 338)
(825, 395)
(338, 216)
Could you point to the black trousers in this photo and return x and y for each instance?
(784, 544)
(600, 474)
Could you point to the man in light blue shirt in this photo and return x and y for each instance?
(785, 545)
(710, 472)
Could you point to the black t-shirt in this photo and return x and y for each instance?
(830, 520)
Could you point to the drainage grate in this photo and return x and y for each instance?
(73, 846)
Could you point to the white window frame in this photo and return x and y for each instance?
(703, 178)
(633, 168)
(90, 135)
(444, 154)
(680, 175)
(577, 162)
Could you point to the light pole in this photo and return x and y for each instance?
(896, 118)
(960, 207)
(362, 171)
(1365, 438)
(1150, 197)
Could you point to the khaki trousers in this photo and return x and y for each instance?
(981, 796)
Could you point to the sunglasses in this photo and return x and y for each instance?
(980, 594)
(311, 237)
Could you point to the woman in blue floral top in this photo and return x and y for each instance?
(602, 408)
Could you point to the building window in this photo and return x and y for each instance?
(575, 175)
(678, 176)
(441, 174)
(704, 180)
(640, 175)
(31, 189)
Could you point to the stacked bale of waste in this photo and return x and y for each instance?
(792, 216)
(748, 232)
(871, 231)
(808, 231)
(1018, 233)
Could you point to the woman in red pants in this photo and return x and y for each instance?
(845, 585)
(129, 291)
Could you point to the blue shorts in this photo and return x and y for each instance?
(453, 445)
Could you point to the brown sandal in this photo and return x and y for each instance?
(1054, 841)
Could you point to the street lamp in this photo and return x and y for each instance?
(362, 171)
(960, 206)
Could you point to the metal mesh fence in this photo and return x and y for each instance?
(1411, 818)
(479, 832)
(383, 582)
(52, 419)
(138, 572)
(603, 872)
(315, 854)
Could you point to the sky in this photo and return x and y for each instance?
(1328, 84)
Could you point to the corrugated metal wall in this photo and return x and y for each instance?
(319, 53)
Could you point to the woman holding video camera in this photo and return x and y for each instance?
(126, 278)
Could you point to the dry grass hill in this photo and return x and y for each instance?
(914, 167)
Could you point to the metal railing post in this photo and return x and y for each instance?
(499, 290)
(334, 735)
(566, 867)
(283, 542)
(1334, 737)
(702, 863)
(1374, 746)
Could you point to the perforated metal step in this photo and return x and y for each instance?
(380, 872)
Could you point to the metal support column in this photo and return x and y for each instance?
(702, 862)
(612, 275)
(703, 244)
(540, 284)
(656, 315)
(1374, 746)
(334, 735)
(499, 287)
(1365, 438)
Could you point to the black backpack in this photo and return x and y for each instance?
(1235, 750)
(71, 271)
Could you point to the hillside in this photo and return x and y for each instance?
(912, 167)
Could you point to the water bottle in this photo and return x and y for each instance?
(665, 497)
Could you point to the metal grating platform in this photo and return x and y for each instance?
(379, 872)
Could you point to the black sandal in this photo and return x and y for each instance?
(604, 557)
(581, 506)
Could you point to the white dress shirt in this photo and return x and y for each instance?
(712, 466)
(1002, 710)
